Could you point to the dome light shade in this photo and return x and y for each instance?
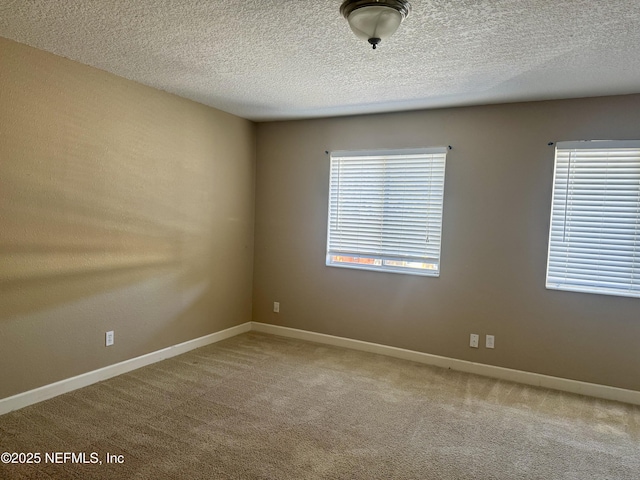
(375, 20)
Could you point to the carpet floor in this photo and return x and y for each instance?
(264, 407)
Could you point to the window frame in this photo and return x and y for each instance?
(634, 257)
(427, 220)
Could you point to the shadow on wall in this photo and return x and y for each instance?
(75, 228)
(103, 183)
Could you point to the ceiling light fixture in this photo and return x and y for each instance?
(375, 20)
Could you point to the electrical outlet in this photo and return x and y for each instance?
(276, 307)
(109, 338)
(474, 340)
(491, 341)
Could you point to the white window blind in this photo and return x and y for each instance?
(594, 240)
(385, 210)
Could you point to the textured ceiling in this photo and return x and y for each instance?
(283, 59)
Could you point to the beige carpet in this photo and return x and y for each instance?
(259, 406)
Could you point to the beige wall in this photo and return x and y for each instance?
(495, 227)
(121, 208)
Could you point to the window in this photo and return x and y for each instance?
(385, 210)
(594, 239)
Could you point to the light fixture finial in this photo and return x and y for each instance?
(375, 20)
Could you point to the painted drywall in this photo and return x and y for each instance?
(121, 208)
(494, 242)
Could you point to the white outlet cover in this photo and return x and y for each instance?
(474, 340)
(109, 338)
(491, 341)
(276, 307)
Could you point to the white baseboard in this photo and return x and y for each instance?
(528, 378)
(46, 392)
